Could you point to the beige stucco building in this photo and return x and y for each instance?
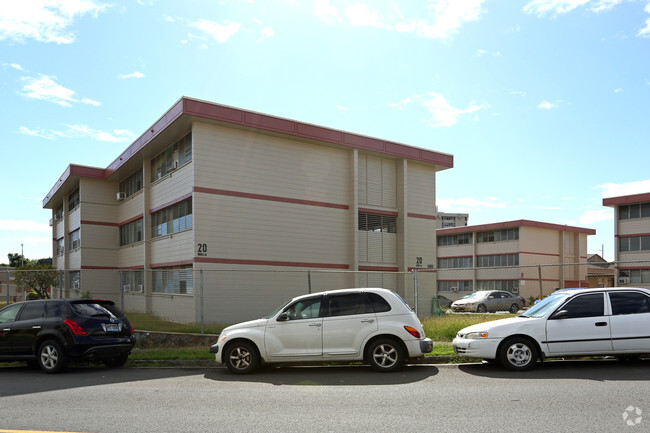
(210, 189)
(507, 256)
(632, 233)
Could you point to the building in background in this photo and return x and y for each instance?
(446, 220)
(601, 273)
(507, 256)
(211, 210)
(632, 233)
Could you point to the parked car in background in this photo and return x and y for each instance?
(444, 302)
(50, 333)
(371, 325)
(489, 301)
(579, 322)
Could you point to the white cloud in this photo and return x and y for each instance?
(45, 88)
(594, 216)
(554, 7)
(80, 131)
(545, 105)
(621, 189)
(442, 113)
(645, 32)
(24, 225)
(44, 20)
(603, 5)
(135, 74)
(219, 32)
(15, 66)
(441, 19)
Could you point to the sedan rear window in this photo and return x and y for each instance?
(95, 309)
(629, 303)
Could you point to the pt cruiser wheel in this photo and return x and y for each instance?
(51, 358)
(517, 354)
(241, 357)
(385, 355)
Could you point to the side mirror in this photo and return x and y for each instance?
(562, 314)
(283, 317)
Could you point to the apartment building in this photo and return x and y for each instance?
(507, 255)
(445, 220)
(632, 233)
(210, 189)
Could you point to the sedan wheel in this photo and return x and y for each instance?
(51, 358)
(241, 357)
(481, 309)
(385, 355)
(517, 354)
(514, 308)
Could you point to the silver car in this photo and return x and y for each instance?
(489, 301)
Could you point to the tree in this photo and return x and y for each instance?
(17, 260)
(37, 278)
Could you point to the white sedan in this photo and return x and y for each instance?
(570, 322)
(371, 325)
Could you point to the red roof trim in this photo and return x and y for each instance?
(264, 122)
(422, 216)
(626, 199)
(632, 235)
(270, 263)
(379, 268)
(171, 264)
(513, 224)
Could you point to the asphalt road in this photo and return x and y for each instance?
(571, 396)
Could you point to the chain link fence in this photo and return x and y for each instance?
(225, 296)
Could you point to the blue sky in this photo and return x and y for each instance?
(543, 103)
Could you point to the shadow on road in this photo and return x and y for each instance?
(600, 370)
(326, 376)
(20, 379)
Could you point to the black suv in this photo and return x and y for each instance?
(50, 333)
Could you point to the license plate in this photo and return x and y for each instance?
(112, 327)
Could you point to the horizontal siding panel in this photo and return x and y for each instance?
(174, 248)
(421, 189)
(171, 188)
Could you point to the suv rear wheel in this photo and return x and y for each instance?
(50, 357)
(385, 355)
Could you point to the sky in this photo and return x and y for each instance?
(543, 103)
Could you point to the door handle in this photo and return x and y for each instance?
(318, 325)
(36, 327)
(368, 321)
(601, 323)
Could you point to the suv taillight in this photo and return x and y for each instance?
(75, 327)
(414, 332)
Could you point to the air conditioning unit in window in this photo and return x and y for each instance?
(75, 245)
(121, 196)
(126, 287)
(75, 285)
(454, 289)
(57, 217)
(624, 280)
(140, 288)
(175, 165)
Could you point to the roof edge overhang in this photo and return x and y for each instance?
(256, 121)
(513, 224)
(626, 199)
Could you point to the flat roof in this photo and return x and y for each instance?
(189, 108)
(626, 199)
(513, 224)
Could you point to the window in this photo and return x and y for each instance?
(346, 305)
(498, 235)
(9, 314)
(634, 243)
(455, 286)
(498, 260)
(460, 239)
(379, 304)
(73, 200)
(175, 218)
(75, 280)
(131, 233)
(60, 247)
(636, 276)
(58, 213)
(455, 262)
(132, 184)
(33, 310)
(132, 280)
(629, 303)
(634, 211)
(585, 306)
(176, 155)
(369, 222)
(174, 281)
(505, 285)
(74, 239)
(304, 309)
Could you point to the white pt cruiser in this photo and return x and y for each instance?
(371, 325)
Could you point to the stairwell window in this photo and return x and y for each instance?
(175, 156)
(74, 240)
(73, 200)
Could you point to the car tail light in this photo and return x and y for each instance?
(132, 330)
(75, 327)
(414, 332)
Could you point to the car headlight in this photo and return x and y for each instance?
(476, 335)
